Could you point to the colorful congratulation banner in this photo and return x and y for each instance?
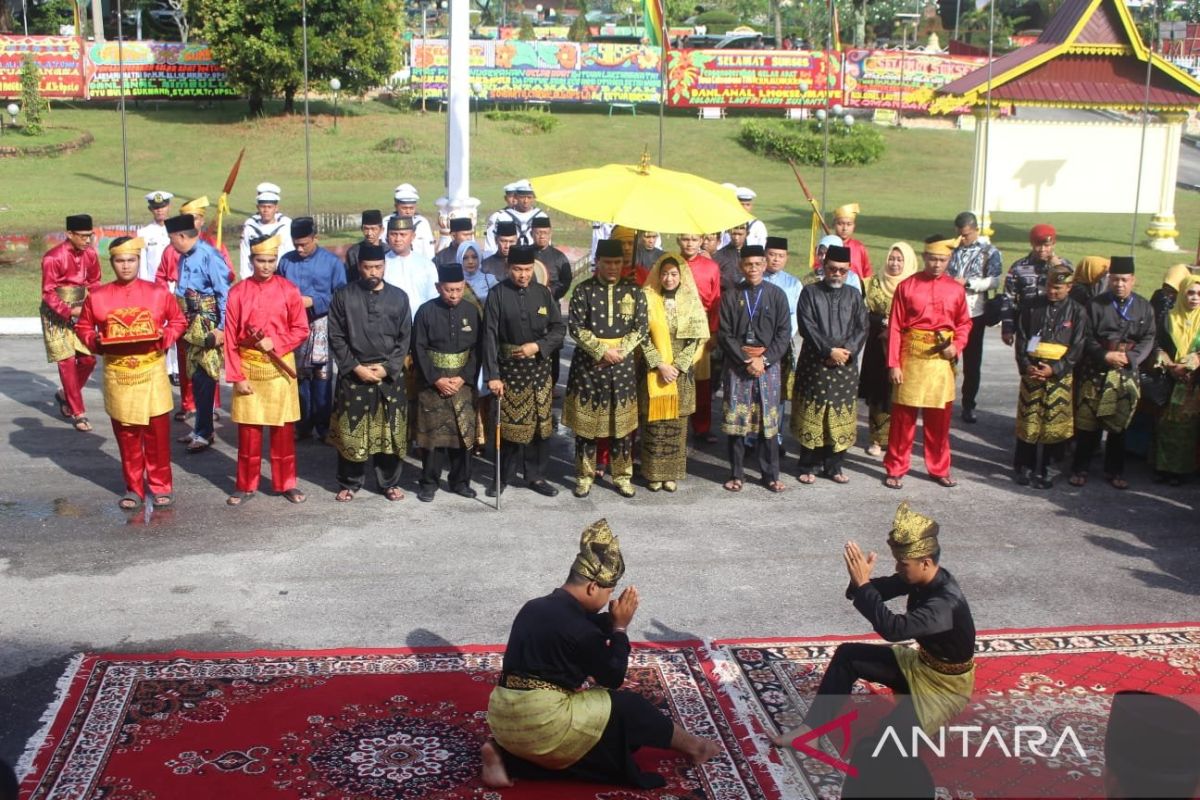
(898, 79)
(156, 69)
(59, 59)
(752, 78)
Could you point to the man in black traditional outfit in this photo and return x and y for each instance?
(446, 334)
(558, 267)
(558, 711)
(1120, 337)
(754, 335)
(608, 322)
(370, 327)
(462, 229)
(833, 321)
(1051, 332)
(372, 231)
(496, 264)
(932, 683)
(523, 332)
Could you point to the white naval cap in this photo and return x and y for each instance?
(744, 194)
(267, 193)
(731, 187)
(406, 193)
(522, 187)
(510, 188)
(158, 199)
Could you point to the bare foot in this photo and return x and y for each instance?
(785, 738)
(705, 749)
(697, 749)
(494, 775)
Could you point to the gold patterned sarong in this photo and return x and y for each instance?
(928, 378)
(1045, 410)
(201, 311)
(939, 692)
(58, 333)
(549, 727)
(602, 401)
(276, 398)
(1107, 400)
(136, 387)
(446, 421)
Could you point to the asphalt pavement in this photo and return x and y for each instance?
(77, 574)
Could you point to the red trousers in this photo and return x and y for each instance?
(186, 402)
(904, 431)
(145, 455)
(283, 456)
(74, 373)
(702, 418)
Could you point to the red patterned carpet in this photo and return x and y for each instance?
(404, 724)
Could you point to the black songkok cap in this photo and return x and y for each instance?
(450, 273)
(77, 223)
(401, 224)
(540, 222)
(371, 252)
(303, 227)
(752, 250)
(460, 224)
(506, 228)
(776, 243)
(1120, 265)
(520, 255)
(609, 248)
(838, 253)
(182, 223)
(372, 217)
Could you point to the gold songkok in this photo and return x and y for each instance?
(130, 246)
(192, 206)
(848, 211)
(623, 233)
(268, 246)
(599, 558)
(943, 247)
(913, 535)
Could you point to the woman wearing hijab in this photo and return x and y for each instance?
(1089, 279)
(479, 282)
(1179, 357)
(873, 383)
(1164, 297)
(678, 329)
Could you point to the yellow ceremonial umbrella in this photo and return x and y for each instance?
(643, 197)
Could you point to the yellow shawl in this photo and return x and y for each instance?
(690, 323)
(1184, 323)
(1090, 270)
(882, 286)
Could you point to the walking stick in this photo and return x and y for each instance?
(499, 400)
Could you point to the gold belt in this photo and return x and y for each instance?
(944, 667)
(521, 682)
(449, 360)
(71, 295)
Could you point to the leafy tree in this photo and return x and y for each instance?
(526, 33)
(46, 18)
(578, 32)
(33, 105)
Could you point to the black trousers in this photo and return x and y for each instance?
(532, 458)
(433, 460)
(767, 450)
(1086, 445)
(972, 359)
(1037, 457)
(352, 474)
(633, 723)
(852, 661)
(824, 457)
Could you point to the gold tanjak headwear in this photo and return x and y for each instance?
(268, 246)
(135, 246)
(913, 535)
(623, 233)
(944, 247)
(1091, 269)
(848, 211)
(599, 558)
(192, 206)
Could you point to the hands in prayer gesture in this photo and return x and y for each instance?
(858, 565)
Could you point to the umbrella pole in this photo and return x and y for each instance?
(662, 99)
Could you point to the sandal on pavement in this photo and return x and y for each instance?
(130, 502)
(394, 494)
(163, 500)
(894, 482)
(198, 444)
(81, 424)
(295, 496)
(237, 498)
(733, 485)
(807, 478)
(64, 407)
(182, 415)
(945, 481)
(1117, 482)
(775, 486)
(344, 496)
(837, 477)
(1078, 479)
(670, 486)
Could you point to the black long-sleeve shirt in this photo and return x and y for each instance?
(772, 322)
(555, 640)
(1109, 321)
(830, 318)
(936, 615)
(1064, 322)
(518, 316)
(441, 328)
(369, 327)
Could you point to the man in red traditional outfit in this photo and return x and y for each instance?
(69, 271)
(929, 323)
(265, 321)
(707, 274)
(845, 221)
(134, 323)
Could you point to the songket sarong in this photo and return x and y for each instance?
(824, 409)
(312, 356)
(551, 727)
(939, 691)
(446, 421)
(1106, 400)
(57, 333)
(752, 404)
(928, 378)
(369, 418)
(276, 399)
(1176, 431)
(528, 405)
(136, 387)
(201, 313)
(1045, 410)
(664, 443)
(602, 399)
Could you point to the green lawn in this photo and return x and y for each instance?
(915, 190)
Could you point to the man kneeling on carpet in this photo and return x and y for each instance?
(557, 711)
(932, 683)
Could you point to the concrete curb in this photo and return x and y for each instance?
(20, 326)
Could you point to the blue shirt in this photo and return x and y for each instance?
(202, 270)
(791, 287)
(318, 277)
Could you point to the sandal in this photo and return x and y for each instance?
(807, 478)
(198, 444)
(733, 485)
(775, 486)
(1078, 479)
(1117, 482)
(945, 481)
(837, 477)
(81, 424)
(894, 482)
(344, 496)
(64, 407)
(394, 494)
(130, 502)
(295, 496)
(163, 500)
(237, 498)
(181, 415)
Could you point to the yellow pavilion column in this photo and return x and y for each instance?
(979, 173)
(1162, 230)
